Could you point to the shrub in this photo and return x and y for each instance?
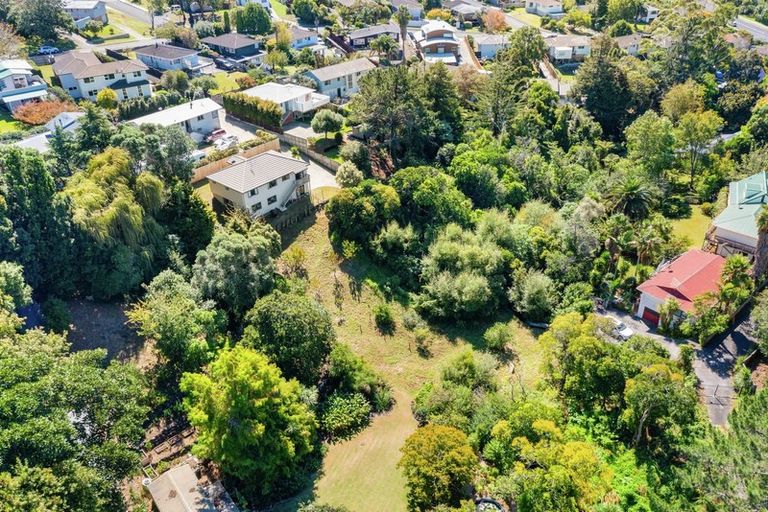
(423, 339)
(254, 110)
(348, 175)
(40, 112)
(245, 82)
(348, 373)
(412, 320)
(499, 336)
(136, 107)
(358, 154)
(345, 414)
(349, 249)
(385, 320)
(675, 207)
(56, 315)
(708, 209)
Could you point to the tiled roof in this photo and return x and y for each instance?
(342, 69)
(257, 171)
(387, 28)
(691, 274)
(298, 33)
(165, 51)
(231, 40)
(84, 64)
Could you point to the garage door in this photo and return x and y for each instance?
(651, 316)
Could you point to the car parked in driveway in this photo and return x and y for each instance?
(224, 64)
(215, 135)
(621, 331)
(226, 142)
(48, 50)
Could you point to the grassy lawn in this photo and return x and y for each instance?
(9, 124)
(361, 473)
(47, 72)
(226, 81)
(203, 189)
(694, 227)
(321, 194)
(526, 17)
(121, 20)
(280, 8)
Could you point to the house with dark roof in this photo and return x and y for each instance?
(83, 75)
(341, 80)
(233, 45)
(261, 184)
(734, 230)
(166, 57)
(361, 38)
(688, 276)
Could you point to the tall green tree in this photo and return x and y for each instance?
(694, 133)
(651, 141)
(40, 18)
(294, 331)
(438, 464)
(403, 16)
(250, 421)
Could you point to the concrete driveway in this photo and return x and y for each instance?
(714, 363)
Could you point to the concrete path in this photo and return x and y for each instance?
(714, 363)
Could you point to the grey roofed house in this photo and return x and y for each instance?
(165, 51)
(375, 30)
(180, 490)
(298, 33)
(257, 171)
(84, 64)
(567, 41)
(414, 4)
(342, 69)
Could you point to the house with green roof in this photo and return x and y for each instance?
(734, 231)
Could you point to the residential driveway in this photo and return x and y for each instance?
(244, 131)
(714, 363)
(300, 130)
(319, 176)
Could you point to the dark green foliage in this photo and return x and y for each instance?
(187, 216)
(344, 415)
(252, 19)
(294, 331)
(384, 318)
(429, 198)
(137, 107)
(348, 373)
(56, 314)
(254, 110)
(358, 213)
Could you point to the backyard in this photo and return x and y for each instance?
(130, 24)
(226, 81)
(526, 17)
(8, 123)
(694, 227)
(361, 473)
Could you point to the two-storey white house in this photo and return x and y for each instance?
(414, 7)
(341, 80)
(83, 75)
(267, 182)
(198, 118)
(19, 85)
(551, 8)
(294, 100)
(83, 11)
(437, 42)
(168, 57)
(648, 13)
(488, 45)
(568, 48)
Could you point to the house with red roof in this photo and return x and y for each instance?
(691, 274)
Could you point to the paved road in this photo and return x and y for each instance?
(758, 31)
(714, 363)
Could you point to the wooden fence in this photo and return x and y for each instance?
(206, 170)
(303, 146)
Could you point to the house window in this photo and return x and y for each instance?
(91, 93)
(253, 192)
(256, 207)
(110, 76)
(200, 118)
(327, 82)
(137, 74)
(272, 200)
(273, 184)
(228, 202)
(286, 177)
(88, 79)
(72, 88)
(125, 93)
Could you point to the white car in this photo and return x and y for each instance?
(226, 142)
(621, 331)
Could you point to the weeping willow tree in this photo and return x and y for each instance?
(115, 211)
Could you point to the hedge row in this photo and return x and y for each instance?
(254, 110)
(137, 107)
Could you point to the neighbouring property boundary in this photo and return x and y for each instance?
(206, 170)
(303, 146)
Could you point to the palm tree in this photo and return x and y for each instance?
(761, 251)
(383, 45)
(632, 196)
(403, 16)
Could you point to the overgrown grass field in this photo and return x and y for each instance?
(361, 473)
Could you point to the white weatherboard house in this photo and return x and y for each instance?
(552, 8)
(488, 45)
(198, 117)
(83, 75)
(262, 184)
(569, 48)
(648, 13)
(293, 99)
(83, 11)
(18, 84)
(167, 57)
(341, 80)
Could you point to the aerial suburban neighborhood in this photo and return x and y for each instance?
(383, 255)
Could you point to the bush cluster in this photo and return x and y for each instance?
(254, 110)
